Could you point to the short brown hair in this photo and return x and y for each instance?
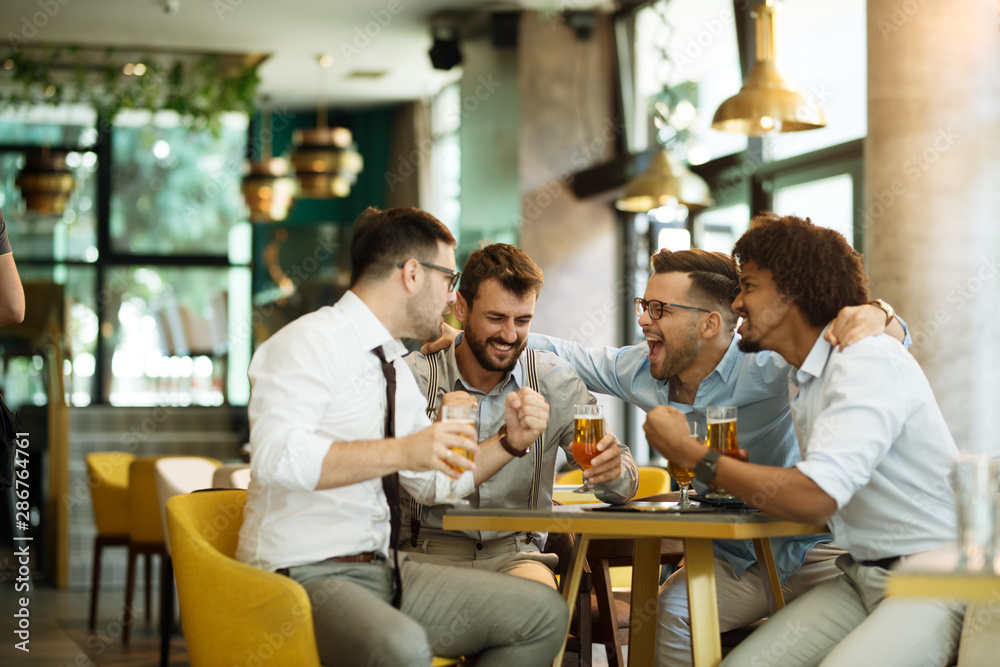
(511, 266)
(813, 265)
(383, 239)
(714, 278)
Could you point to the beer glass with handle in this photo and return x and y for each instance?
(588, 429)
(461, 413)
(684, 476)
(721, 421)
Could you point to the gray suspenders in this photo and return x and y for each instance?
(434, 385)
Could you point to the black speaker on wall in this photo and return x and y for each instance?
(444, 52)
(503, 29)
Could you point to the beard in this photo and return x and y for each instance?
(677, 357)
(480, 349)
(748, 346)
(424, 315)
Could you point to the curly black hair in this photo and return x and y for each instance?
(813, 265)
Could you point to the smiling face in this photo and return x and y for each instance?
(429, 306)
(762, 308)
(497, 325)
(673, 340)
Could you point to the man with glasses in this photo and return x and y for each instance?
(337, 425)
(875, 448)
(483, 366)
(691, 360)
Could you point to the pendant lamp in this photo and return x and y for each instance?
(266, 188)
(325, 159)
(666, 182)
(45, 182)
(768, 102)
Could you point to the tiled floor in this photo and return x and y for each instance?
(59, 637)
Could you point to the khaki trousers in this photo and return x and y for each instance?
(515, 555)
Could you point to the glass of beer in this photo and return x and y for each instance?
(588, 429)
(721, 421)
(461, 413)
(684, 476)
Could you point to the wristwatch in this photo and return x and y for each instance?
(704, 472)
(889, 311)
(509, 448)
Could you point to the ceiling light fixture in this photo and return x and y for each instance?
(325, 159)
(768, 102)
(266, 188)
(666, 182)
(45, 182)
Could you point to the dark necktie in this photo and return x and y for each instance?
(390, 483)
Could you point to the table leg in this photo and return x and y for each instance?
(571, 586)
(699, 562)
(645, 586)
(772, 583)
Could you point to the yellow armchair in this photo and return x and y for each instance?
(234, 612)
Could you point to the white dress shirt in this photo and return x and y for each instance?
(313, 383)
(874, 439)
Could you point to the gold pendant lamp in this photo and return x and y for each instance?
(325, 159)
(666, 182)
(266, 188)
(45, 182)
(768, 102)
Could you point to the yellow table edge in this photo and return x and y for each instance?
(955, 586)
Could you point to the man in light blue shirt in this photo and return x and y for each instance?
(875, 451)
(691, 360)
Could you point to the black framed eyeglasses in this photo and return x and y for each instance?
(453, 275)
(655, 308)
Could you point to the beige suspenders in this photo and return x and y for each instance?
(537, 447)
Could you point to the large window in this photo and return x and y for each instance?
(151, 257)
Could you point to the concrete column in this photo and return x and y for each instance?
(932, 195)
(567, 124)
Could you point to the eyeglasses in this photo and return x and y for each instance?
(454, 276)
(655, 308)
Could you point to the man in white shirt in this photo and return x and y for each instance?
(322, 464)
(875, 451)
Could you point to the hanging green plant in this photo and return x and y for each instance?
(200, 87)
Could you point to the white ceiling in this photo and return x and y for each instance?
(391, 36)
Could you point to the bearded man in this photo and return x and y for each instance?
(488, 361)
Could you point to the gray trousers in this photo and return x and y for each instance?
(515, 555)
(446, 611)
(847, 623)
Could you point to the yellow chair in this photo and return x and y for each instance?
(610, 564)
(652, 481)
(145, 530)
(107, 473)
(231, 609)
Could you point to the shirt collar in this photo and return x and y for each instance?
(517, 372)
(816, 360)
(728, 363)
(369, 329)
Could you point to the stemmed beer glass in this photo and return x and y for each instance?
(461, 413)
(588, 429)
(684, 476)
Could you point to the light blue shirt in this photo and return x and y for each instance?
(757, 384)
(873, 438)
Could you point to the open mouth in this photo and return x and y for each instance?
(655, 346)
